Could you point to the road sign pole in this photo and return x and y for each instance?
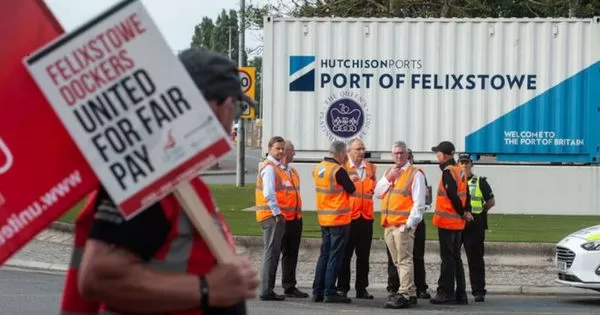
(241, 145)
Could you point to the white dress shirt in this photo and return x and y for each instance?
(361, 169)
(418, 195)
(268, 177)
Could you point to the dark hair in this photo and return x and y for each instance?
(274, 140)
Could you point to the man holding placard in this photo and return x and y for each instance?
(156, 261)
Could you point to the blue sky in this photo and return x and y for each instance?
(175, 18)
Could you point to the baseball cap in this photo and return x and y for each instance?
(445, 147)
(464, 157)
(215, 75)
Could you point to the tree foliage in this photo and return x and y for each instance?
(216, 35)
(426, 8)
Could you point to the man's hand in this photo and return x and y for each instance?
(354, 177)
(468, 216)
(231, 283)
(393, 173)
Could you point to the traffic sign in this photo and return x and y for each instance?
(248, 80)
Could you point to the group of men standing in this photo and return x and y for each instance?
(345, 184)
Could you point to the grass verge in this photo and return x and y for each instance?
(502, 227)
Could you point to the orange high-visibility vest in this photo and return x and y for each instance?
(287, 193)
(397, 201)
(333, 202)
(445, 216)
(184, 251)
(361, 201)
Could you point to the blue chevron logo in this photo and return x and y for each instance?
(302, 73)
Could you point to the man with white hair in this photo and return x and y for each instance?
(402, 190)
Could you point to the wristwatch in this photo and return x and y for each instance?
(203, 293)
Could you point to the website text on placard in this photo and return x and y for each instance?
(17, 222)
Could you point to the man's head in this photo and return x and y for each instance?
(276, 147)
(356, 151)
(411, 157)
(464, 159)
(289, 151)
(337, 150)
(399, 153)
(218, 80)
(444, 151)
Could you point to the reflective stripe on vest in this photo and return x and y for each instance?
(72, 302)
(476, 195)
(287, 196)
(361, 201)
(445, 216)
(397, 202)
(332, 201)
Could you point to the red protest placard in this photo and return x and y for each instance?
(42, 172)
(130, 106)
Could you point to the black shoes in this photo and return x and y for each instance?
(272, 297)
(295, 293)
(337, 298)
(423, 295)
(442, 299)
(363, 294)
(479, 298)
(398, 301)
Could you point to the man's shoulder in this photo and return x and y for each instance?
(484, 181)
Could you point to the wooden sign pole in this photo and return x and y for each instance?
(204, 223)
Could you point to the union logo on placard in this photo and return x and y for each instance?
(172, 151)
(345, 116)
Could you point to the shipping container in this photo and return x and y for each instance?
(517, 89)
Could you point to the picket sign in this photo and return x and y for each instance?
(134, 113)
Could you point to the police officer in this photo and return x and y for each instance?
(482, 200)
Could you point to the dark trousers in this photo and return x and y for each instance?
(452, 266)
(290, 246)
(473, 238)
(359, 241)
(333, 243)
(418, 262)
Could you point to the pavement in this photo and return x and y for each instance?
(27, 292)
(511, 269)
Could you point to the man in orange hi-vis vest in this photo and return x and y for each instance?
(269, 194)
(278, 187)
(362, 174)
(402, 190)
(333, 187)
(452, 211)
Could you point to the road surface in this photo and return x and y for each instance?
(28, 293)
(229, 162)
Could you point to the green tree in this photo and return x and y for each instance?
(203, 33)
(218, 34)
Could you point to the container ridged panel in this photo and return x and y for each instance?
(552, 50)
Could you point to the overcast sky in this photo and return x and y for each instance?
(175, 18)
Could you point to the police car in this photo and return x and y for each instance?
(577, 259)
